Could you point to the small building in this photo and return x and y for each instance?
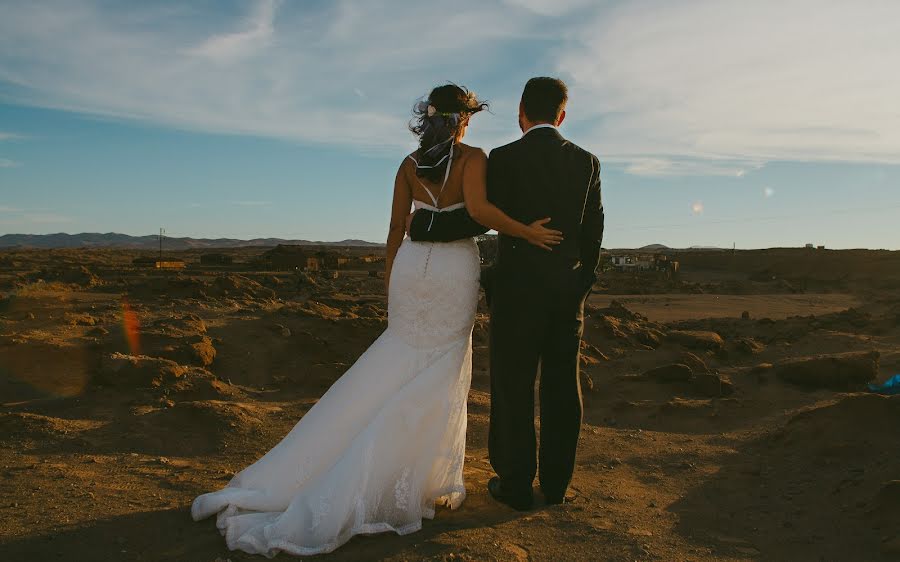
(370, 259)
(810, 246)
(287, 257)
(642, 262)
(159, 263)
(216, 259)
(144, 261)
(330, 259)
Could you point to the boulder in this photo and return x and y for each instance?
(619, 310)
(648, 337)
(697, 339)
(612, 327)
(81, 319)
(203, 352)
(133, 371)
(749, 346)
(695, 363)
(840, 371)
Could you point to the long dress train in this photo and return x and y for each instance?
(387, 440)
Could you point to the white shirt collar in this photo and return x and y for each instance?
(541, 126)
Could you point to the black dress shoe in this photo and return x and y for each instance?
(519, 503)
(554, 499)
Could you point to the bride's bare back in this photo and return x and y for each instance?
(464, 156)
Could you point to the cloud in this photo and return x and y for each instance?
(698, 87)
(667, 166)
(799, 80)
(557, 8)
(21, 217)
(280, 70)
(768, 192)
(7, 163)
(9, 136)
(251, 203)
(46, 218)
(257, 35)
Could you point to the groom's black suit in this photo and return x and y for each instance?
(537, 303)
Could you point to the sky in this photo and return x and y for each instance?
(717, 122)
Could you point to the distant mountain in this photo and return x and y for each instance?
(662, 248)
(115, 240)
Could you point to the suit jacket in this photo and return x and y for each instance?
(540, 175)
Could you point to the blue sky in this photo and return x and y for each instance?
(717, 122)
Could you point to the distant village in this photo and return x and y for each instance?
(280, 258)
(330, 261)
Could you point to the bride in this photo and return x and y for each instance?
(386, 442)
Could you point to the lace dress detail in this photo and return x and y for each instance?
(387, 441)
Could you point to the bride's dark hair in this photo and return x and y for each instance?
(439, 127)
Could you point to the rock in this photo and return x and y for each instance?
(71, 275)
(745, 315)
(618, 310)
(648, 338)
(319, 310)
(131, 371)
(676, 372)
(77, 319)
(695, 363)
(840, 371)
(712, 385)
(612, 327)
(749, 346)
(586, 381)
(240, 286)
(204, 352)
(697, 339)
(282, 330)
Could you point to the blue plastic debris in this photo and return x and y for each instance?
(891, 386)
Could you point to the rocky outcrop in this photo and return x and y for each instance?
(843, 371)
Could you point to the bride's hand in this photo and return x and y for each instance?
(541, 236)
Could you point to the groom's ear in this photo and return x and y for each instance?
(562, 117)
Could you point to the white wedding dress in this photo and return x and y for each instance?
(386, 442)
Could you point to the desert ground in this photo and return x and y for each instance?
(726, 410)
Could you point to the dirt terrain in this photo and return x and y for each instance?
(726, 411)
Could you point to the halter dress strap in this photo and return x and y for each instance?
(443, 184)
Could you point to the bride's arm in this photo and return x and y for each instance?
(397, 229)
(486, 213)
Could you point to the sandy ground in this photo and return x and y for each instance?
(124, 394)
(672, 308)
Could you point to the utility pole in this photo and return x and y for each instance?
(161, 232)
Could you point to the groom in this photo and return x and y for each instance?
(536, 296)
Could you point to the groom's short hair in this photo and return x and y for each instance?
(544, 98)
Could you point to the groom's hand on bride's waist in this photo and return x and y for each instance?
(447, 226)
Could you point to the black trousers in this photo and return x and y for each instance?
(537, 319)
